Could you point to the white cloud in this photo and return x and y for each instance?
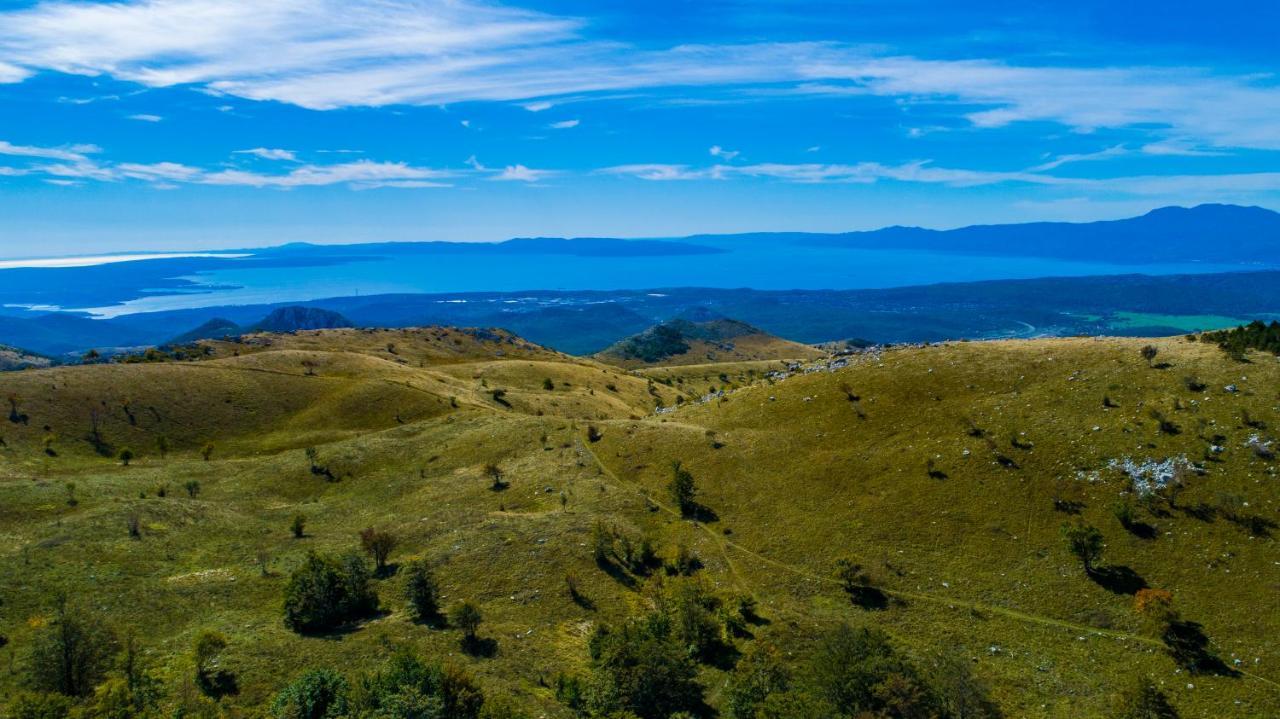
(146, 118)
(538, 106)
(720, 152)
(266, 153)
(364, 174)
(12, 73)
(1059, 161)
(1179, 148)
(814, 148)
(325, 54)
(520, 173)
(68, 153)
(565, 124)
(465, 123)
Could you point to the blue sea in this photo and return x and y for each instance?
(751, 265)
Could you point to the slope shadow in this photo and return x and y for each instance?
(1189, 647)
(1118, 579)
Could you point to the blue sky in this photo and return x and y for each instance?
(204, 124)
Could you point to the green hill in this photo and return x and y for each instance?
(12, 358)
(681, 342)
(527, 479)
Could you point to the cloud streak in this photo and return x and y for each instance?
(383, 52)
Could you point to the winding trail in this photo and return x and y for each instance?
(725, 544)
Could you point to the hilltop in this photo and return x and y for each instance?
(12, 358)
(682, 342)
(944, 473)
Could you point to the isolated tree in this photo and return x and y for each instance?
(126, 456)
(211, 678)
(71, 653)
(193, 488)
(547, 384)
(207, 451)
(466, 616)
(378, 544)
(1085, 542)
(1143, 700)
(1149, 353)
(162, 444)
(494, 473)
(298, 526)
(682, 489)
(324, 593)
(420, 591)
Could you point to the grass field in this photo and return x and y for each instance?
(943, 470)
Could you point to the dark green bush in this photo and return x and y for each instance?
(325, 593)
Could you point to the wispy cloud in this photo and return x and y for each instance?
(1059, 161)
(143, 117)
(1227, 185)
(720, 152)
(520, 173)
(565, 124)
(539, 106)
(266, 153)
(382, 52)
(68, 153)
(73, 164)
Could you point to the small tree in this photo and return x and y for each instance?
(324, 593)
(193, 488)
(1143, 700)
(495, 474)
(126, 456)
(547, 384)
(1085, 542)
(683, 490)
(466, 616)
(162, 444)
(207, 451)
(1149, 353)
(299, 526)
(71, 653)
(378, 545)
(420, 592)
(213, 680)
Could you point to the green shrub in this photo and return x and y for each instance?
(638, 668)
(420, 592)
(317, 694)
(324, 593)
(39, 705)
(858, 671)
(758, 675)
(408, 687)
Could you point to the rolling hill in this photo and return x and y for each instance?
(12, 358)
(944, 473)
(682, 342)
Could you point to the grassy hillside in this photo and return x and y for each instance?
(12, 358)
(946, 472)
(682, 342)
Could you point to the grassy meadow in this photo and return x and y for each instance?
(945, 471)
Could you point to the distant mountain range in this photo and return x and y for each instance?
(1205, 233)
